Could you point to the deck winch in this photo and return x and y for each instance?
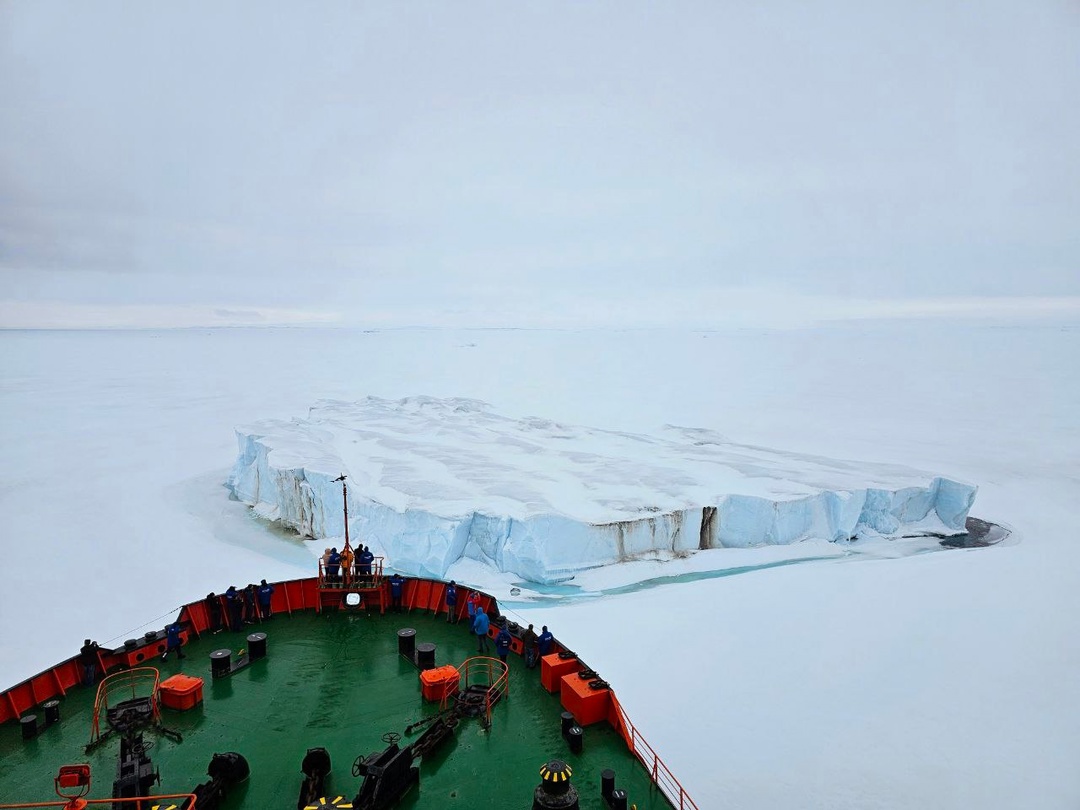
(388, 775)
(315, 767)
(135, 773)
(226, 771)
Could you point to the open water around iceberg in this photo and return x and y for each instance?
(980, 534)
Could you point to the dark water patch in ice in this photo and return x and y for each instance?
(979, 534)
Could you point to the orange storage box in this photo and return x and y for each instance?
(552, 668)
(439, 683)
(588, 705)
(181, 692)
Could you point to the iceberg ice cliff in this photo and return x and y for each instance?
(435, 480)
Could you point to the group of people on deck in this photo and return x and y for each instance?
(239, 607)
(232, 609)
(534, 645)
(346, 566)
(253, 603)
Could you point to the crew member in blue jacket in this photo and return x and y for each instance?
(451, 602)
(266, 592)
(364, 559)
(502, 643)
(333, 563)
(545, 641)
(172, 641)
(396, 583)
(480, 627)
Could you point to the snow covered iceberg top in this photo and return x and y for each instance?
(435, 479)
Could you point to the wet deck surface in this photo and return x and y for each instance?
(334, 681)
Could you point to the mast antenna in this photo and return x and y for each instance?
(345, 503)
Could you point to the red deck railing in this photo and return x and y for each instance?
(489, 672)
(147, 801)
(352, 576)
(659, 772)
(141, 682)
(369, 582)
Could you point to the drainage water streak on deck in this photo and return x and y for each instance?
(335, 681)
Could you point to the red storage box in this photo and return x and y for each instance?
(181, 692)
(440, 682)
(552, 668)
(588, 705)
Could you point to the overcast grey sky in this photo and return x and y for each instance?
(556, 163)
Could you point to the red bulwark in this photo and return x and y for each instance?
(145, 652)
(588, 705)
(552, 668)
(417, 593)
(181, 692)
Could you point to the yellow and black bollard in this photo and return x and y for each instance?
(555, 791)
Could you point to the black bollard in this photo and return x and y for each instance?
(406, 642)
(29, 726)
(607, 783)
(574, 736)
(425, 655)
(256, 646)
(220, 663)
(567, 722)
(618, 799)
(52, 711)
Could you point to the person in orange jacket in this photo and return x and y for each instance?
(347, 558)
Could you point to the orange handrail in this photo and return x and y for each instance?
(496, 676)
(84, 802)
(133, 679)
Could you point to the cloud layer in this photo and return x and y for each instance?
(378, 164)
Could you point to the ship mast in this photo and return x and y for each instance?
(345, 503)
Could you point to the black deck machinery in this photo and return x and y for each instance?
(389, 774)
(315, 767)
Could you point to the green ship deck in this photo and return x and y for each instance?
(334, 680)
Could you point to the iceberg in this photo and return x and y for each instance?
(434, 481)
